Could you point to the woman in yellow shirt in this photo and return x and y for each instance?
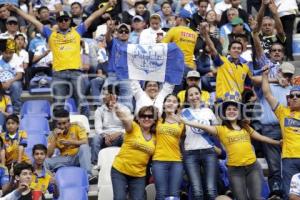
(5, 106)
(235, 134)
(129, 166)
(167, 160)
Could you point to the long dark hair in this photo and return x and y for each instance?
(2, 92)
(186, 104)
(164, 115)
(244, 124)
(152, 109)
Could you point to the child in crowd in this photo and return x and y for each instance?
(21, 48)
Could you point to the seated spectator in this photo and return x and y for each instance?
(211, 19)
(294, 193)
(12, 26)
(78, 16)
(164, 13)
(11, 72)
(5, 14)
(72, 142)
(55, 6)
(271, 28)
(139, 9)
(242, 13)
(4, 174)
(109, 128)
(21, 43)
(151, 95)
(200, 15)
(15, 142)
(42, 179)
(5, 107)
(154, 33)
(44, 15)
(193, 79)
(138, 26)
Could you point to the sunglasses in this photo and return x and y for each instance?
(144, 116)
(123, 31)
(237, 25)
(63, 20)
(12, 23)
(278, 50)
(291, 96)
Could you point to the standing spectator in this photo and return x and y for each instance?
(287, 12)
(5, 107)
(15, 142)
(109, 128)
(199, 156)
(164, 13)
(138, 26)
(72, 142)
(167, 164)
(139, 9)
(5, 14)
(66, 56)
(211, 18)
(242, 13)
(154, 33)
(128, 172)
(78, 16)
(200, 15)
(288, 118)
(271, 28)
(11, 72)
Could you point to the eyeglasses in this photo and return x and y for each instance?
(123, 31)
(278, 50)
(291, 96)
(144, 116)
(63, 20)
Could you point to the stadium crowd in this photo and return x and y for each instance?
(238, 98)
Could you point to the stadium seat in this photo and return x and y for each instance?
(70, 105)
(68, 177)
(35, 124)
(73, 193)
(35, 138)
(81, 120)
(36, 108)
(105, 159)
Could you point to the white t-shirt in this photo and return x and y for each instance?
(45, 61)
(148, 36)
(295, 185)
(24, 56)
(197, 138)
(8, 70)
(286, 7)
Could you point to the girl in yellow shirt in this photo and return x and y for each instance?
(167, 160)
(129, 166)
(235, 134)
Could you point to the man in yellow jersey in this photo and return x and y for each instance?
(289, 120)
(231, 71)
(185, 38)
(64, 43)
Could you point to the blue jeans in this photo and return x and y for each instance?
(122, 183)
(246, 180)
(125, 97)
(96, 87)
(98, 143)
(202, 165)
(69, 83)
(2, 121)
(16, 89)
(168, 178)
(290, 166)
(81, 159)
(272, 154)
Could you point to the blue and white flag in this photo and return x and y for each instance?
(159, 62)
(14, 2)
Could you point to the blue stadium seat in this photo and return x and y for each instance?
(36, 108)
(35, 124)
(35, 138)
(70, 105)
(69, 177)
(74, 193)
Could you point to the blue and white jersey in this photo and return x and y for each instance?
(8, 70)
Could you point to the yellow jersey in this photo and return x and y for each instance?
(5, 102)
(185, 38)
(231, 77)
(290, 128)
(76, 132)
(41, 181)
(11, 146)
(168, 141)
(238, 146)
(205, 97)
(135, 153)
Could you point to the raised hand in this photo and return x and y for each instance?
(112, 3)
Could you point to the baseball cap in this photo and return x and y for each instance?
(137, 18)
(237, 21)
(62, 14)
(287, 67)
(140, 2)
(155, 16)
(124, 25)
(12, 19)
(184, 14)
(193, 73)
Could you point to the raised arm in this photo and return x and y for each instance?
(27, 17)
(255, 135)
(260, 15)
(98, 13)
(257, 45)
(267, 90)
(278, 25)
(204, 28)
(110, 30)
